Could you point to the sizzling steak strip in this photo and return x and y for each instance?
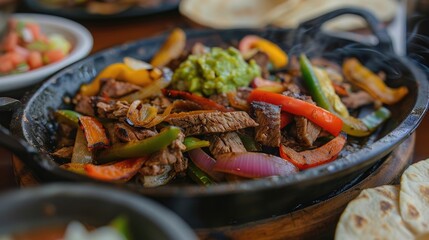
(126, 133)
(172, 155)
(268, 117)
(225, 143)
(195, 123)
(116, 89)
(113, 110)
(306, 131)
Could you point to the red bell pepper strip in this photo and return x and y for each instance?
(285, 119)
(311, 158)
(205, 103)
(94, 132)
(317, 115)
(119, 172)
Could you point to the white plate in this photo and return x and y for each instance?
(79, 37)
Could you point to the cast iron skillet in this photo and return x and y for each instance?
(226, 204)
(56, 204)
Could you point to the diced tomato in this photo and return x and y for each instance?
(53, 56)
(11, 41)
(22, 51)
(15, 57)
(34, 29)
(12, 24)
(6, 65)
(34, 60)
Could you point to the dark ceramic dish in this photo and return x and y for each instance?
(79, 12)
(226, 204)
(59, 204)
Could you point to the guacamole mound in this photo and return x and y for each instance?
(218, 71)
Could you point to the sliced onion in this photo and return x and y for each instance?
(205, 163)
(253, 165)
(157, 180)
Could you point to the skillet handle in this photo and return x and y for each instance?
(17, 146)
(312, 27)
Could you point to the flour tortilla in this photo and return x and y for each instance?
(235, 13)
(374, 214)
(384, 10)
(414, 197)
(284, 13)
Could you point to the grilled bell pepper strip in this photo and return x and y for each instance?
(122, 226)
(94, 131)
(171, 49)
(276, 55)
(118, 71)
(193, 142)
(249, 143)
(311, 158)
(140, 148)
(68, 117)
(374, 119)
(205, 103)
(118, 172)
(362, 77)
(198, 175)
(322, 91)
(317, 115)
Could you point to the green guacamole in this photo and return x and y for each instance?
(218, 71)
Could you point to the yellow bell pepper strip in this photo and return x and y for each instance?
(323, 92)
(362, 77)
(193, 142)
(276, 55)
(171, 49)
(68, 117)
(117, 172)
(140, 148)
(198, 175)
(118, 71)
(311, 158)
(317, 115)
(94, 132)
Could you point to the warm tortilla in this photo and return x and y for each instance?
(283, 13)
(414, 197)
(235, 13)
(384, 10)
(374, 214)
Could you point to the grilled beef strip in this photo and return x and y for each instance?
(84, 105)
(116, 89)
(203, 122)
(225, 143)
(357, 99)
(306, 131)
(220, 98)
(172, 155)
(112, 109)
(268, 117)
(185, 106)
(126, 133)
(263, 61)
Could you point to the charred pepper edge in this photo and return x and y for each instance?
(140, 148)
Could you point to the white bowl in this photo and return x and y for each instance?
(79, 37)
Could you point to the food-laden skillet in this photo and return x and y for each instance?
(225, 204)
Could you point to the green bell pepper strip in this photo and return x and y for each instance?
(140, 148)
(193, 142)
(68, 117)
(320, 87)
(249, 143)
(198, 175)
(121, 225)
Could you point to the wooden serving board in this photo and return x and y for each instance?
(314, 222)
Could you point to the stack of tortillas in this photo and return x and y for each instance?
(390, 212)
(283, 13)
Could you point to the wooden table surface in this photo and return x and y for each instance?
(108, 33)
